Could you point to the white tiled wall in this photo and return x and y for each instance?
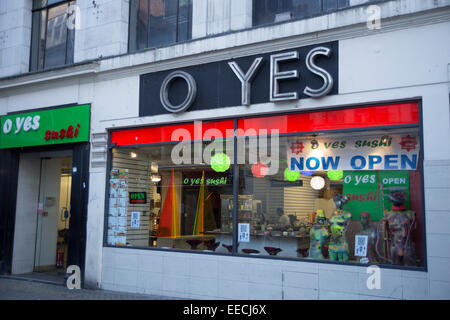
(197, 276)
(15, 36)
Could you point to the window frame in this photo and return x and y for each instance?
(321, 13)
(147, 31)
(70, 56)
(235, 252)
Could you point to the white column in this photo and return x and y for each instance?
(103, 29)
(15, 36)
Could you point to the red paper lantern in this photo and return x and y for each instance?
(260, 170)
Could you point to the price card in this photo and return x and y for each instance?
(244, 232)
(135, 219)
(361, 242)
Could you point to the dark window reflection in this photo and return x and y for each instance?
(155, 23)
(272, 11)
(52, 43)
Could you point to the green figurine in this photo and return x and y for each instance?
(318, 236)
(338, 246)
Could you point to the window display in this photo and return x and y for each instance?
(349, 197)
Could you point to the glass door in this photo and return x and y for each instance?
(53, 215)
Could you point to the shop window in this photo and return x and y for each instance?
(156, 203)
(331, 199)
(272, 11)
(155, 23)
(350, 192)
(52, 38)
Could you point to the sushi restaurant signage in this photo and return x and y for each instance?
(392, 152)
(45, 127)
(368, 191)
(308, 72)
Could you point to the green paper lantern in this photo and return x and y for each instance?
(220, 162)
(335, 175)
(291, 175)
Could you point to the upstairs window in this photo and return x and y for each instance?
(155, 23)
(272, 11)
(52, 39)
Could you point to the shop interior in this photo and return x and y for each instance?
(287, 214)
(42, 215)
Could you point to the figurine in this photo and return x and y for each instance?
(318, 235)
(338, 246)
(399, 225)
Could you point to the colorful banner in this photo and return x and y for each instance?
(368, 191)
(169, 222)
(376, 152)
(45, 127)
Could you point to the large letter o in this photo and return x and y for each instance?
(164, 93)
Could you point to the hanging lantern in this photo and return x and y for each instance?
(335, 175)
(317, 183)
(291, 175)
(260, 170)
(220, 162)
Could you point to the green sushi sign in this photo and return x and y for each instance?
(45, 127)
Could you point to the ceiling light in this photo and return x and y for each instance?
(317, 183)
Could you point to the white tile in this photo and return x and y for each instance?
(338, 281)
(364, 297)
(233, 270)
(175, 284)
(438, 268)
(436, 199)
(390, 286)
(108, 275)
(258, 291)
(290, 293)
(340, 267)
(415, 289)
(108, 258)
(233, 289)
(335, 295)
(175, 265)
(150, 281)
(438, 245)
(440, 290)
(125, 277)
(438, 222)
(203, 286)
(414, 274)
(436, 176)
(150, 262)
(126, 261)
(203, 267)
(300, 280)
(303, 267)
(265, 274)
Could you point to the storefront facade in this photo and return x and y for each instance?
(214, 164)
(45, 160)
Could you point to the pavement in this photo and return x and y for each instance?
(22, 289)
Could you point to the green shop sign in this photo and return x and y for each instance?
(368, 191)
(45, 127)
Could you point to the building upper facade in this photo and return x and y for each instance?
(54, 35)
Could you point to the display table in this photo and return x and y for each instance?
(181, 242)
(288, 243)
